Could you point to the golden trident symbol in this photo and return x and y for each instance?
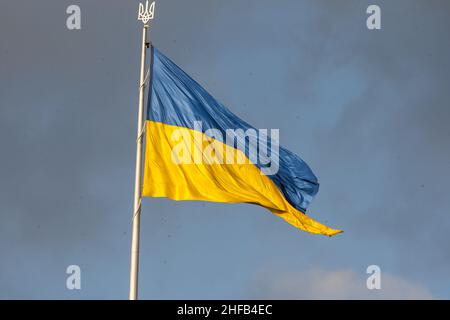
(146, 13)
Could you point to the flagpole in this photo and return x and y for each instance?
(137, 178)
(145, 14)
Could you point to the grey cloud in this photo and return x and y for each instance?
(335, 285)
(367, 110)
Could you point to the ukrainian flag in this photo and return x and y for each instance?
(188, 158)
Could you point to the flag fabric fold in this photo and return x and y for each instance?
(192, 152)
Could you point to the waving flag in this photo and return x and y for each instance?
(197, 149)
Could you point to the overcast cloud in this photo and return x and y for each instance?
(367, 110)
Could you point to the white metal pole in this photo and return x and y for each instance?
(137, 179)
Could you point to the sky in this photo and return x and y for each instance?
(368, 110)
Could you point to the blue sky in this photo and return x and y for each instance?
(367, 110)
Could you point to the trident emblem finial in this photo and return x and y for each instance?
(146, 13)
